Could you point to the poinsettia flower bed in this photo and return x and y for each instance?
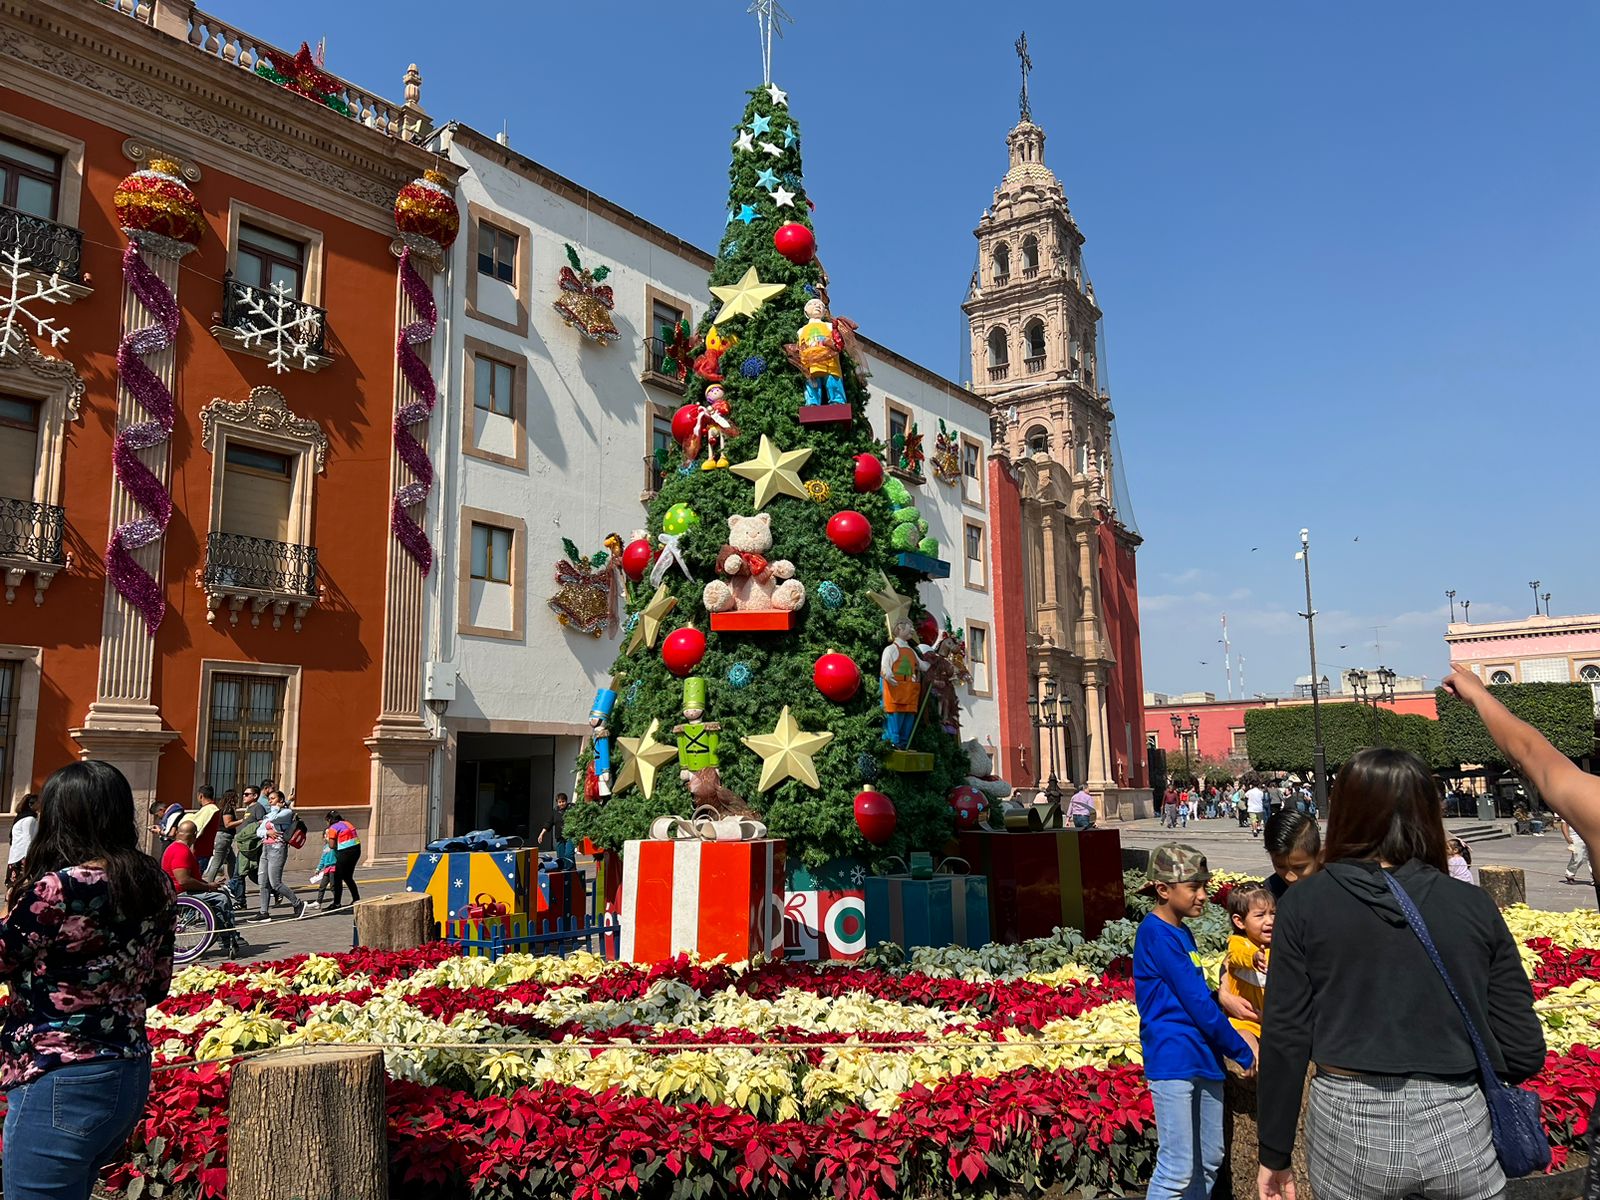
(956, 1073)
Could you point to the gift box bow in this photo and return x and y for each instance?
(484, 907)
(707, 825)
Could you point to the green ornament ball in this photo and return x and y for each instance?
(680, 518)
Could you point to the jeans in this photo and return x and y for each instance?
(271, 875)
(344, 874)
(1189, 1132)
(67, 1124)
(1083, 821)
(222, 858)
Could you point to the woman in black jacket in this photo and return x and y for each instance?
(1396, 1108)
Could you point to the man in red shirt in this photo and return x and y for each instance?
(183, 868)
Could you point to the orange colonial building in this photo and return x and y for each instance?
(273, 628)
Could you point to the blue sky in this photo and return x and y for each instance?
(1348, 256)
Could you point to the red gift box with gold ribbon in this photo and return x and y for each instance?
(1042, 879)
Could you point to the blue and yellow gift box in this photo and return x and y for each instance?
(453, 881)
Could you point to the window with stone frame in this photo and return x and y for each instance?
(19, 445)
(30, 179)
(10, 688)
(244, 729)
(497, 253)
(1002, 263)
(264, 260)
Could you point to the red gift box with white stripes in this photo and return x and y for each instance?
(705, 898)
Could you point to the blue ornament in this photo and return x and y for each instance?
(687, 469)
(760, 125)
(810, 291)
(746, 214)
(633, 691)
(767, 179)
(752, 367)
(739, 676)
(733, 246)
(867, 768)
(830, 593)
(627, 626)
(789, 138)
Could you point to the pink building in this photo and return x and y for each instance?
(1533, 650)
(1219, 730)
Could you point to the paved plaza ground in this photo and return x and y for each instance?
(1226, 846)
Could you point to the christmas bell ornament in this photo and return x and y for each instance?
(967, 804)
(426, 216)
(875, 816)
(869, 473)
(837, 677)
(156, 202)
(796, 243)
(636, 556)
(850, 531)
(683, 650)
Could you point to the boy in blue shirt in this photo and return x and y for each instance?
(1183, 1034)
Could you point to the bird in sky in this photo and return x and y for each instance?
(1253, 549)
(1358, 537)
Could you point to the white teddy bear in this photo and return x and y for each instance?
(754, 583)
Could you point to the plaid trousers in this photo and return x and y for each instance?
(1391, 1137)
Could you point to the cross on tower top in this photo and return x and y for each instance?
(1021, 48)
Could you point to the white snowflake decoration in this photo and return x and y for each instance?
(14, 310)
(290, 325)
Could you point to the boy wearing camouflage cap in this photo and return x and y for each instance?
(1183, 1034)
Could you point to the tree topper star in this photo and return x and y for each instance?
(786, 752)
(741, 299)
(774, 472)
(650, 618)
(646, 756)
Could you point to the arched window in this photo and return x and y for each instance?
(1500, 677)
(1033, 344)
(1082, 458)
(1038, 441)
(1590, 674)
(1002, 263)
(999, 351)
(1030, 255)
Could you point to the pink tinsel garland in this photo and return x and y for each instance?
(412, 452)
(136, 585)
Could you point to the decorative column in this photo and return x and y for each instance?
(162, 219)
(401, 744)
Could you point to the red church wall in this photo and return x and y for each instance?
(1124, 684)
(1010, 636)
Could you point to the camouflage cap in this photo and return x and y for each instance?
(1174, 862)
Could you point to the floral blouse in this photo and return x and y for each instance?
(79, 978)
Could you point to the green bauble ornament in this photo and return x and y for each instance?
(680, 518)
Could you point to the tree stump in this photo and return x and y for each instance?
(1508, 885)
(333, 1101)
(400, 921)
(1243, 1163)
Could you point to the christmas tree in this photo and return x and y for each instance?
(746, 455)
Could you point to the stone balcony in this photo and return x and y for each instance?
(258, 573)
(32, 538)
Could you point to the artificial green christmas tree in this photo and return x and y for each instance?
(757, 530)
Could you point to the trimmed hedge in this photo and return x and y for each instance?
(1281, 739)
(1563, 712)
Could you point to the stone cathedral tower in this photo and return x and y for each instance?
(1036, 357)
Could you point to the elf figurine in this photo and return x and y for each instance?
(901, 670)
(715, 427)
(599, 717)
(819, 345)
(697, 739)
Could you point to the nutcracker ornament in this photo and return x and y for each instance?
(605, 700)
(698, 738)
(901, 669)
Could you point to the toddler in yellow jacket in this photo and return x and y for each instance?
(1251, 910)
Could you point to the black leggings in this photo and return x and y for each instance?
(344, 871)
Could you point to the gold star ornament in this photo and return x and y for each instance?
(741, 299)
(646, 756)
(651, 615)
(774, 472)
(895, 606)
(787, 751)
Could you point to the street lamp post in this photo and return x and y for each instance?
(1319, 761)
(1547, 604)
(1046, 713)
(1466, 611)
(1451, 594)
(1194, 740)
(1534, 584)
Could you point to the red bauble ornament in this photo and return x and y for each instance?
(927, 629)
(875, 816)
(796, 243)
(967, 803)
(683, 650)
(636, 556)
(684, 422)
(869, 473)
(850, 531)
(837, 677)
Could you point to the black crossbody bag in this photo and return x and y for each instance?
(1519, 1138)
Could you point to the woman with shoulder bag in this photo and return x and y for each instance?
(1377, 940)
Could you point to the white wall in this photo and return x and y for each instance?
(587, 428)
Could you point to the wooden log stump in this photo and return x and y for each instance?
(328, 1103)
(1508, 885)
(401, 921)
(1242, 1166)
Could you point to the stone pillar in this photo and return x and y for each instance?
(402, 744)
(123, 725)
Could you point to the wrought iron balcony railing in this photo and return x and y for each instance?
(50, 249)
(236, 561)
(656, 367)
(34, 532)
(247, 309)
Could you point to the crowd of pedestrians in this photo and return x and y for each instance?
(1381, 920)
(1249, 800)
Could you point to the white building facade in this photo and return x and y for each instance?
(542, 434)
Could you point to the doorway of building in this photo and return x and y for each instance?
(504, 782)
